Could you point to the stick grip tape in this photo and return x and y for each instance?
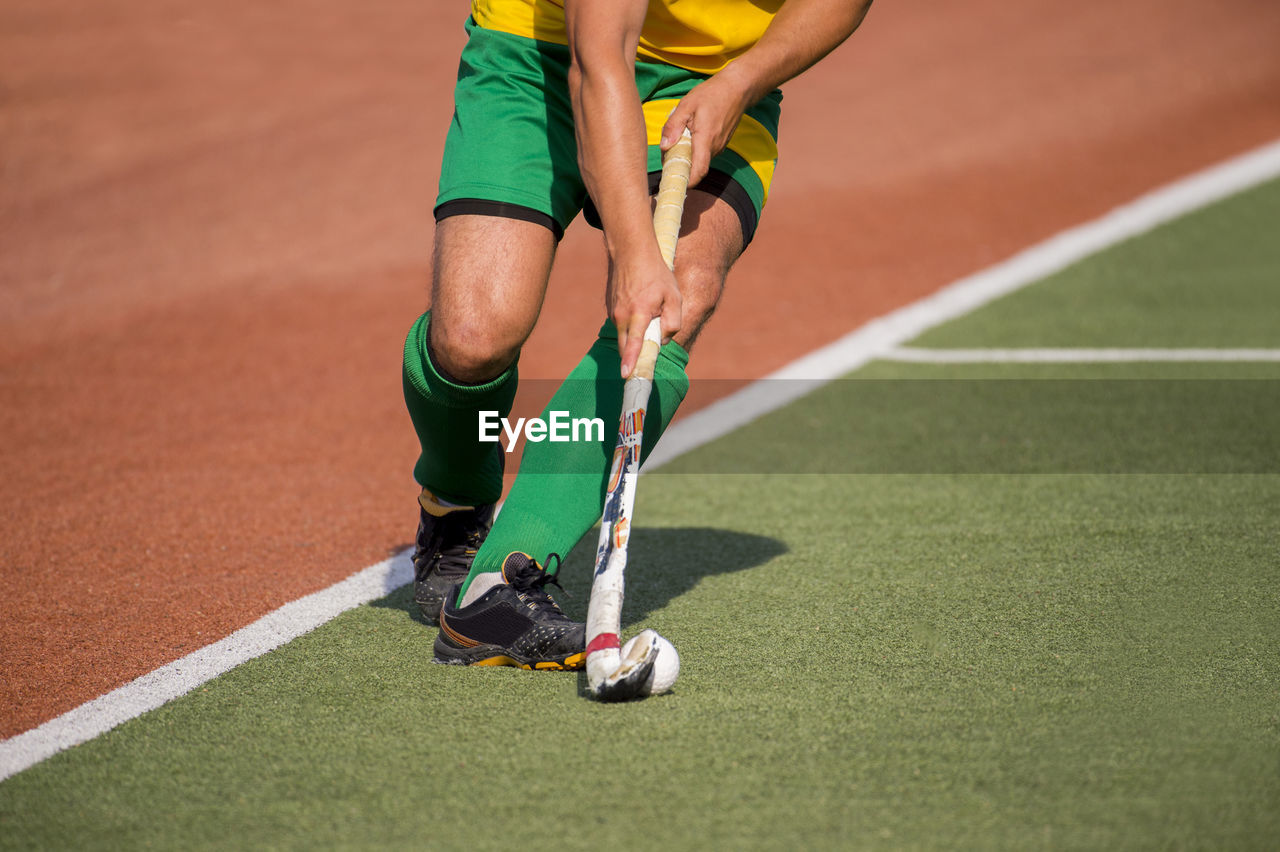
(667, 214)
(676, 163)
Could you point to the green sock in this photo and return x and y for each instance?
(560, 491)
(453, 465)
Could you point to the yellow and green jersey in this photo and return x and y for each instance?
(700, 35)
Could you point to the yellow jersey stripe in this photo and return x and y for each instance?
(702, 36)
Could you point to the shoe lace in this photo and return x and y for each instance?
(537, 588)
(551, 576)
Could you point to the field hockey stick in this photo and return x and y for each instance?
(610, 676)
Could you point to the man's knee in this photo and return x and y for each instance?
(474, 350)
(490, 274)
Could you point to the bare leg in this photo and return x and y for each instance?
(490, 277)
(710, 243)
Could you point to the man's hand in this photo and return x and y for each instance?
(711, 111)
(636, 293)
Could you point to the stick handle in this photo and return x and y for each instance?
(667, 215)
(671, 193)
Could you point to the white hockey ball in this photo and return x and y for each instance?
(665, 668)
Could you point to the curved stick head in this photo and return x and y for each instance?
(634, 673)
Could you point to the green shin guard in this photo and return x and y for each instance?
(560, 491)
(453, 465)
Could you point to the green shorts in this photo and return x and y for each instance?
(511, 149)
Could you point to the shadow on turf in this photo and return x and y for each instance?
(662, 565)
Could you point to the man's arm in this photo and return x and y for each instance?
(803, 32)
(612, 154)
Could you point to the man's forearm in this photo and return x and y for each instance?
(612, 155)
(612, 150)
(802, 33)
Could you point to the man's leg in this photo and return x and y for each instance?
(559, 492)
(489, 279)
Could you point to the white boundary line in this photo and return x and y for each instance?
(853, 350)
(181, 676)
(916, 355)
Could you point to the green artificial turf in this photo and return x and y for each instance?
(938, 607)
(1006, 418)
(897, 661)
(1208, 279)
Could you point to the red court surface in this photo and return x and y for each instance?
(214, 232)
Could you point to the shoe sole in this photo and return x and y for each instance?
(449, 654)
(572, 663)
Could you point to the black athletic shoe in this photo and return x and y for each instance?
(516, 623)
(448, 539)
